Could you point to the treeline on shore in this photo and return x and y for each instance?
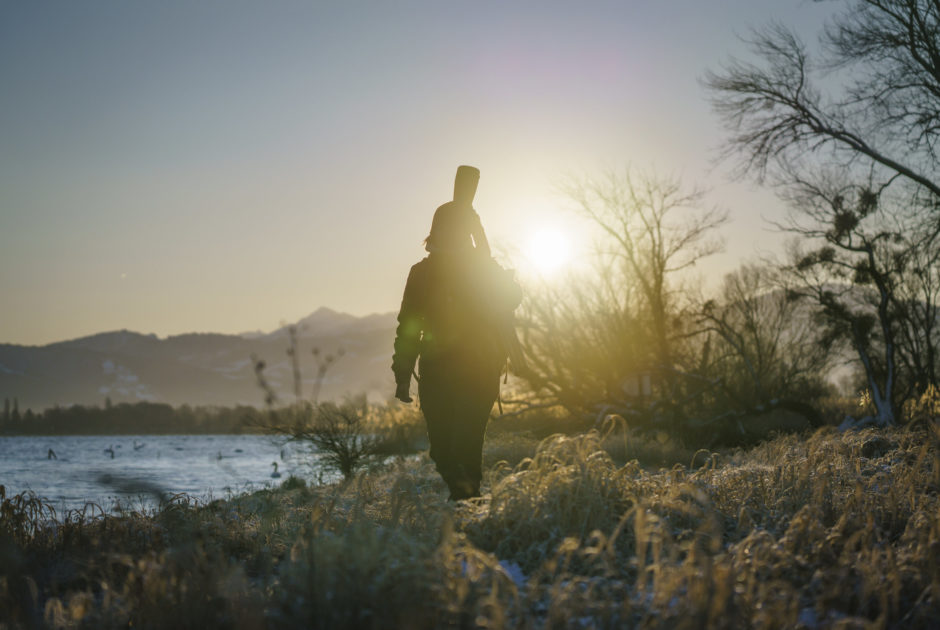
(141, 418)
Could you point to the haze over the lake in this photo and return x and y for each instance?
(225, 166)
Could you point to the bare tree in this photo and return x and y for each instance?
(860, 168)
(885, 122)
(656, 229)
(583, 338)
(763, 346)
(918, 306)
(589, 337)
(855, 272)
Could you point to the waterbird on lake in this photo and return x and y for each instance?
(275, 474)
(51, 454)
(110, 450)
(137, 446)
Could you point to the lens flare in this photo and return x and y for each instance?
(548, 250)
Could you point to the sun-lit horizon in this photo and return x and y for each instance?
(199, 168)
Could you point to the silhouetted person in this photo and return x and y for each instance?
(456, 300)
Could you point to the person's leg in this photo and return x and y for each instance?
(456, 398)
(473, 415)
(469, 451)
(438, 404)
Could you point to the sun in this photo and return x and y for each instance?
(548, 250)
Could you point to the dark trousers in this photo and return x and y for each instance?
(456, 399)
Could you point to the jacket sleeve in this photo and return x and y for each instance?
(410, 325)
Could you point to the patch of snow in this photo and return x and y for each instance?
(808, 618)
(124, 382)
(238, 366)
(851, 424)
(514, 571)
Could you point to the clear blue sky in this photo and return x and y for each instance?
(225, 166)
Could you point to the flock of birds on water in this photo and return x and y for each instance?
(109, 450)
(139, 445)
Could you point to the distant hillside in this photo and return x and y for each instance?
(200, 368)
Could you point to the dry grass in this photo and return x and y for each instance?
(825, 531)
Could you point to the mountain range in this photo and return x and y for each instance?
(204, 368)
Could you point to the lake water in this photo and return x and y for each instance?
(145, 467)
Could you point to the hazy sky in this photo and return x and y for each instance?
(225, 166)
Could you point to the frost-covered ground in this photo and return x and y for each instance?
(829, 530)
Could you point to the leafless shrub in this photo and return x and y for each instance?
(336, 431)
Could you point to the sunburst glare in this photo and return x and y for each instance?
(548, 250)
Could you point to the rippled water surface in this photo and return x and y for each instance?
(145, 467)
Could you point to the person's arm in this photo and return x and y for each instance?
(408, 335)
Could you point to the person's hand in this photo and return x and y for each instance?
(402, 392)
